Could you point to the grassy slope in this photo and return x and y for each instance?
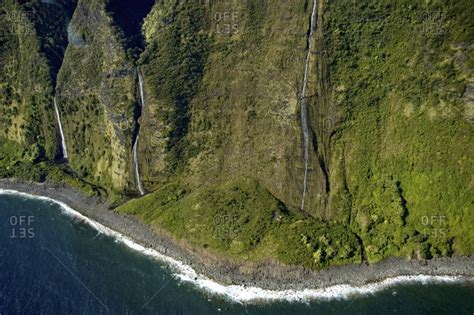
(27, 130)
(242, 220)
(231, 110)
(406, 138)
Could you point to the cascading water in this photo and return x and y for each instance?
(135, 162)
(58, 119)
(135, 144)
(303, 110)
(140, 84)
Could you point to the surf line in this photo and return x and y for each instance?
(58, 119)
(137, 131)
(241, 293)
(303, 109)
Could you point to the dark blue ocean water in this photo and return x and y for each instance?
(52, 264)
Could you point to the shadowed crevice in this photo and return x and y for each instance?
(51, 19)
(129, 16)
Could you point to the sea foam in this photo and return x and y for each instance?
(240, 293)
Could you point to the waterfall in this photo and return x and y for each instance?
(135, 162)
(303, 110)
(140, 85)
(135, 144)
(58, 119)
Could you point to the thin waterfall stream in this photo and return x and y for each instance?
(58, 119)
(135, 143)
(303, 109)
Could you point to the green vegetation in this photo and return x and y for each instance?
(390, 105)
(406, 136)
(178, 51)
(25, 89)
(96, 96)
(242, 220)
(238, 89)
(18, 162)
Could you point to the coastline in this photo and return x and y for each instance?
(246, 282)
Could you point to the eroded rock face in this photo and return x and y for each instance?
(239, 114)
(96, 94)
(205, 123)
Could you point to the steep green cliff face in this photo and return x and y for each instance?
(96, 95)
(232, 109)
(389, 99)
(27, 132)
(401, 76)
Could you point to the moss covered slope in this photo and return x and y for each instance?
(402, 154)
(27, 130)
(97, 95)
(232, 108)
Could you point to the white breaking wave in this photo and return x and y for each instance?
(135, 145)
(58, 118)
(303, 114)
(240, 293)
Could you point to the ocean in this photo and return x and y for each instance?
(54, 262)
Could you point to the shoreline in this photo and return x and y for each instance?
(245, 282)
